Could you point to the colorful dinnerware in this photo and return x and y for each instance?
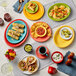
(20, 43)
(40, 31)
(31, 60)
(30, 11)
(28, 48)
(36, 15)
(14, 41)
(57, 57)
(43, 50)
(39, 55)
(59, 41)
(61, 14)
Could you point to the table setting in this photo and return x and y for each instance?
(37, 38)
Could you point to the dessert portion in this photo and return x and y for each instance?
(59, 11)
(16, 31)
(29, 64)
(39, 30)
(7, 17)
(31, 7)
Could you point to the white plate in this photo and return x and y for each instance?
(64, 36)
(27, 72)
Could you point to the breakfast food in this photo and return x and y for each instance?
(31, 7)
(18, 25)
(1, 22)
(16, 31)
(10, 54)
(68, 62)
(57, 57)
(7, 17)
(59, 11)
(71, 55)
(28, 64)
(66, 33)
(40, 30)
(28, 48)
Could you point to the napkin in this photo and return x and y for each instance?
(15, 6)
(70, 70)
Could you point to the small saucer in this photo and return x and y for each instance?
(39, 55)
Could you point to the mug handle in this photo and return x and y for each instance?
(46, 54)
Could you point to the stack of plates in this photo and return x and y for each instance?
(12, 42)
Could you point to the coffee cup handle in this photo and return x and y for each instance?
(46, 54)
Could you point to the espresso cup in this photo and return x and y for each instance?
(43, 50)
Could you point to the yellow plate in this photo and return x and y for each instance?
(61, 43)
(36, 15)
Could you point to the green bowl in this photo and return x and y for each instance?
(58, 4)
(30, 11)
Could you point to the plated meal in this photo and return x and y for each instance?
(31, 7)
(33, 10)
(60, 36)
(57, 57)
(16, 32)
(29, 65)
(66, 33)
(22, 36)
(40, 31)
(59, 11)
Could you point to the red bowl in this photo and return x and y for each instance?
(60, 54)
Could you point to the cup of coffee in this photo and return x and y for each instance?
(43, 51)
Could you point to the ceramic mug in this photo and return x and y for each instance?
(43, 51)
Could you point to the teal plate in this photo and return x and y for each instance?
(58, 4)
(14, 41)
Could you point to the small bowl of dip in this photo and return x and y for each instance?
(66, 33)
(57, 57)
(28, 48)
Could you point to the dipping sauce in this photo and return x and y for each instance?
(28, 48)
(57, 57)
